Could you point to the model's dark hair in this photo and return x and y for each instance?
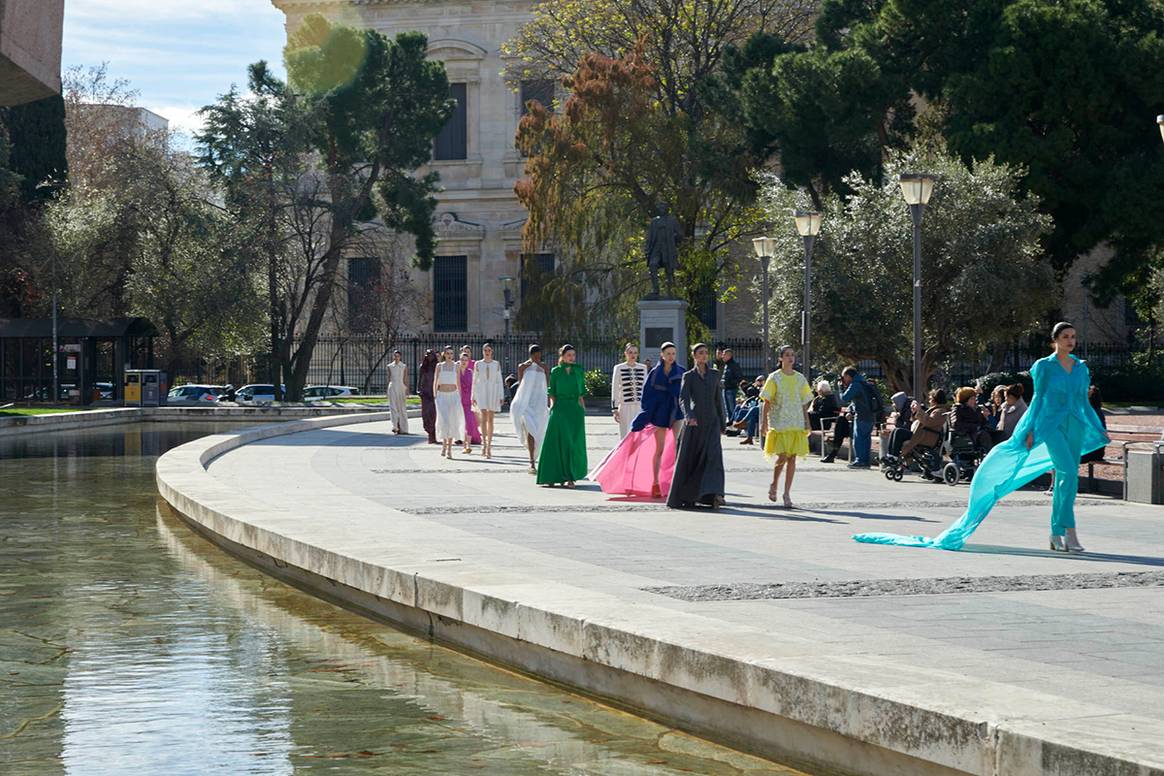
(938, 396)
(487, 345)
(1059, 328)
(666, 345)
(397, 353)
(782, 348)
(697, 346)
(1017, 390)
(535, 349)
(565, 349)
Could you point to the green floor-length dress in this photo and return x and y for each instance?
(563, 456)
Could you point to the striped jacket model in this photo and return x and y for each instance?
(626, 384)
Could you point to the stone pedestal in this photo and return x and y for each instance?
(663, 320)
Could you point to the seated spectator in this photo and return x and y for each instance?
(746, 417)
(1011, 411)
(902, 419)
(825, 413)
(991, 409)
(751, 390)
(926, 429)
(969, 420)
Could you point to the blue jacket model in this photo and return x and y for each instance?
(660, 397)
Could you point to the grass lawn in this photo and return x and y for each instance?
(413, 401)
(11, 411)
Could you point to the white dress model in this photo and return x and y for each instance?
(450, 413)
(626, 393)
(530, 408)
(487, 385)
(398, 396)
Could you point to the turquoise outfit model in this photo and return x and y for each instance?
(1064, 426)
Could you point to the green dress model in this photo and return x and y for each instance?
(563, 456)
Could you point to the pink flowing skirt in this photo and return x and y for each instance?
(472, 430)
(628, 470)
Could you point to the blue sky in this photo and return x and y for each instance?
(179, 54)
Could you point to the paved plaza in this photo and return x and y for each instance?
(1068, 648)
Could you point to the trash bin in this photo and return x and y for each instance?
(1144, 475)
(145, 387)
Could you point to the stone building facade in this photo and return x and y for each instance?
(30, 50)
(479, 219)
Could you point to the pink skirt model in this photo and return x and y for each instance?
(628, 470)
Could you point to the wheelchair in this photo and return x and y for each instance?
(964, 455)
(927, 459)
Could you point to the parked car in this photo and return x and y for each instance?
(194, 394)
(256, 393)
(327, 392)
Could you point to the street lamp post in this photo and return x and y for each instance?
(808, 225)
(507, 311)
(765, 248)
(507, 295)
(916, 188)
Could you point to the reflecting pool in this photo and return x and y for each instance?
(130, 645)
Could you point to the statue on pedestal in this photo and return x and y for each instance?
(662, 248)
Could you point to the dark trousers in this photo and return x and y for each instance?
(750, 414)
(428, 415)
(842, 430)
(897, 438)
(729, 401)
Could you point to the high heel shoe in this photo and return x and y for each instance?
(1072, 542)
(788, 502)
(1058, 544)
(656, 492)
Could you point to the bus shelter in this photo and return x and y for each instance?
(92, 356)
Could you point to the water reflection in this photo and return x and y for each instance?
(130, 645)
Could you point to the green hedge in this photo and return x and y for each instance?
(598, 383)
(1140, 380)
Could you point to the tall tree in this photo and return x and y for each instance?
(983, 280)
(1069, 91)
(36, 133)
(1065, 90)
(326, 153)
(642, 125)
(821, 111)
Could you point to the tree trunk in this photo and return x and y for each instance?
(301, 361)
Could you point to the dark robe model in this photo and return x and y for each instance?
(427, 402)
(699, 465)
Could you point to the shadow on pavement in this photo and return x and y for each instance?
(873, 516)
(775, 513)
(1100, 557)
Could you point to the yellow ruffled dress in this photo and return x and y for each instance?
(787, 396)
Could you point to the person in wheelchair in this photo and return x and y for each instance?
(968, 420)
(923, 450)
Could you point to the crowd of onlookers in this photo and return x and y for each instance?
(852, 410)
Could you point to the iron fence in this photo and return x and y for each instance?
(361, 362)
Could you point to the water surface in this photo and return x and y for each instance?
(129, 645)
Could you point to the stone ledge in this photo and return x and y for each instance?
(65, 421)
(741, 685)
